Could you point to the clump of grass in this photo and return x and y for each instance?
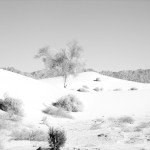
(97, 89)
(56, 138)
(69, 103)
(85, 87)
(133, 89)
(126, 120)
(57, 112)
(97, 79)
(142, 125)
(82, 90)
(12, 106)
(118, 89)
(29, 134)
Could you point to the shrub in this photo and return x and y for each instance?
(68, 103)
(56, 138)
(29, 134)
(12, 106)
(133, 88)
(142, 125)
(125, 120)
(57, 112)
(97, 89)
(97, 79)
(82, 90)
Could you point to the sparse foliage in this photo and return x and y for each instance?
(57, 112)
(97, 79)
(56, 138)
(82, 90)
(97, 89)
(11, 105)
(66, 61)
(133, 89)
(126, 120)
(69, 103)
(29, 134)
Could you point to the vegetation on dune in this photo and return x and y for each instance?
(126, 120)
(29, 134)
(12, 106)
(139, 75)
(57, 112)
(97, 89)
(64, 62)
(69, 103)
(56, 138)
(82, 90)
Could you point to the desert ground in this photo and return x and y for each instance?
(115, 115)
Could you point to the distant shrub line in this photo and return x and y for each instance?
(139, 75)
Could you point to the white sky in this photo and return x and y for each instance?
(115, 34)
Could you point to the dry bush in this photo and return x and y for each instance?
(56, 138)
(142, 125)
(97, 79)
(97, 89)
(133, 89)
(82, 90)
(126, 120)
(29, 134)
(69, 103)
(57, 112)
(12, 106)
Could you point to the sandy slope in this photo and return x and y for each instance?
(37, 93)
(115, 99)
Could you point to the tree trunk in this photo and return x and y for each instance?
(65, 81)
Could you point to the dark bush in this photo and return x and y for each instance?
(56, 138)
(11, 105)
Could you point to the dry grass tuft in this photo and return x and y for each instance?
(57, 112)
(69, 103)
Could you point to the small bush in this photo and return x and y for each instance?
(143, 125)
(12, 106)
(82, 90)
(97, 79)
(97, 89)
(125, 120)
(132, 89)
(56, 138)
(57, 112)
(68, 103)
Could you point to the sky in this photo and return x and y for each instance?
(115, 34)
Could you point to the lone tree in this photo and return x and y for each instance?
(64, 62)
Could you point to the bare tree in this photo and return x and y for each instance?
(64, 62)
